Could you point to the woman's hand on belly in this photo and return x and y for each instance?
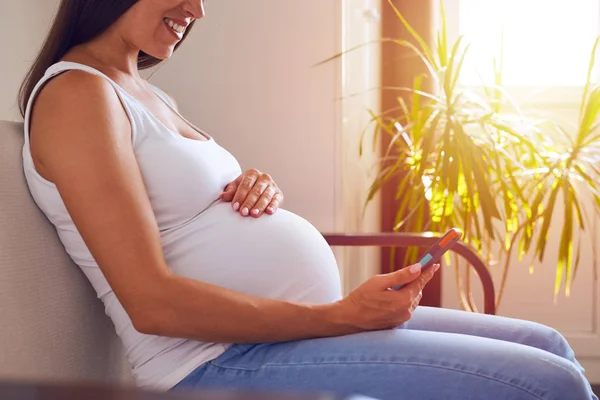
(253, 193)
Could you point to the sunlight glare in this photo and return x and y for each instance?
(546, 42)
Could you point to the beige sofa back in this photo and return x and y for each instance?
(52, 326)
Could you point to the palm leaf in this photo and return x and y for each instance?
(588, 79)
(577, 259)
(565, 253)
(428, 143)
(424, 47)
(549, 210)
(459, 68)
(448, 78)
(416, 109)
(463, 160)
(443, 37)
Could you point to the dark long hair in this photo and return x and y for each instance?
(77, 22)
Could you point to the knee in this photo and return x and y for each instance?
(564, 381)
(549, 339)
(559, 344)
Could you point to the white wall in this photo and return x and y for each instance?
(23, 28)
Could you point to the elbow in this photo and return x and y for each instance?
(145, 325)
(149, 318)
(149, 310)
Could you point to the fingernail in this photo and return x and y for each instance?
(437, 266)
(236, 206)
(244, 211)
(270, 209)
(415, 268)
(255, 212)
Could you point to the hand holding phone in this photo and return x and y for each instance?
(436, 251)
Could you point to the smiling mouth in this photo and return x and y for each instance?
(175, 27)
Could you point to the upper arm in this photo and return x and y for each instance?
(82, 137)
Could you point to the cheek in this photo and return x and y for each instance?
(150, 34)
(141, 29)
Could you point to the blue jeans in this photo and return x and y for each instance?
(438, 354)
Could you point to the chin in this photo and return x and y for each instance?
(161, 54)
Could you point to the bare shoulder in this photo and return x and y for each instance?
(76, 94)
(72, 110)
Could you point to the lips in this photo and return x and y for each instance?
(178, 28)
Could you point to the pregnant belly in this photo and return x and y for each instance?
(279, 256)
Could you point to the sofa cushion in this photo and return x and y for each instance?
(52, 325)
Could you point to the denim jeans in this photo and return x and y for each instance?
(438, 354)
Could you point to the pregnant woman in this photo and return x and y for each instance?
(209, 283)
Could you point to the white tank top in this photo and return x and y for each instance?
(280, 256)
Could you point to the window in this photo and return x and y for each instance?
(546, 42)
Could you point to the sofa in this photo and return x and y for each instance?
(53, 328)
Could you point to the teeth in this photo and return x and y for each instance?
(176, 27)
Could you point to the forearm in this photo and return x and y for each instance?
(200, 311)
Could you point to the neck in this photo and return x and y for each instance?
(112, 52)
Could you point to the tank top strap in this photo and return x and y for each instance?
(163, 95)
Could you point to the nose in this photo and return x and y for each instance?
(194, 8)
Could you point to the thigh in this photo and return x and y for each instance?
(397, 364)
(491, 326)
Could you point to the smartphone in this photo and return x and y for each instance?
(438, 249)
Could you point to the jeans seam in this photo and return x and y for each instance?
(378, 362)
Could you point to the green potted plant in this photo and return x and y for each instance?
(473, 159)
